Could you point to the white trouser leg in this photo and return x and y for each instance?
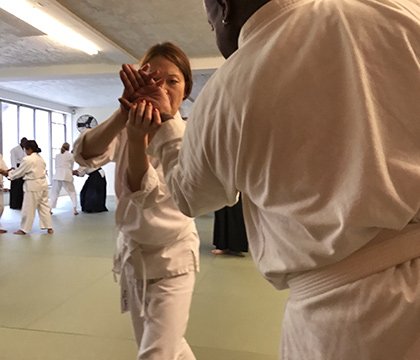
(160, 333)
(44, 210)
(69, 187)
(29, 206)
(55, 191)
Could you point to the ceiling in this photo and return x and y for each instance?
(32, 64)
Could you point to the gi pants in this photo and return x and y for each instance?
(32, 201)
(160, 332)
(56, 188)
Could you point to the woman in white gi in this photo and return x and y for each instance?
(3, 171)
(33, 170)
(63, 177)
(157, 246)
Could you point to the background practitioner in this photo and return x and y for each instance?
(33, 171)
(93, 193)
(63, 177)
(16, 186)
(229, 233)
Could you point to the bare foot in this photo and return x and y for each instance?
(19, 232)
(75, 212)
(50, 231)
(218, 252)
(2, 231)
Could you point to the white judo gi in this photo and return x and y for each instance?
(63, 177)
(156, 257)
(35, 187)
(315, 120)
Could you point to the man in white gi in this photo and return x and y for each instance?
(16, 186)
(63, 177)
(314, 118)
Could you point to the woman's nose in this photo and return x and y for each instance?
(164, 86)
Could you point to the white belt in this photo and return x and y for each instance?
(387, 249)
(129, 280)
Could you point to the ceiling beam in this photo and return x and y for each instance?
(82, 71)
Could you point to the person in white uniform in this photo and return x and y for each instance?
(35, 186)
(314, 118)
(63, 177)
(3, 172)
(157, 247)
(16, 186)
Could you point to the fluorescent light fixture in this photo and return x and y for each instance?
(31, 12)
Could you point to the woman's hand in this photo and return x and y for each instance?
(143, 121)
(141, 85)
(132, 82)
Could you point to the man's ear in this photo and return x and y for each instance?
(226, 9)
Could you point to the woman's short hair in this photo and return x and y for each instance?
(31, 144)
(176, 56)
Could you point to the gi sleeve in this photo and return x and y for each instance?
(95, 162)
(188, 173)
(149, 216)
(23, 168)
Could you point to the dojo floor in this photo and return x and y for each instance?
(58, 300)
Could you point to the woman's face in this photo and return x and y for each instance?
(28, 151)
(173, 80)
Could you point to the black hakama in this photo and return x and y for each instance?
(93, 194)
(229, 229)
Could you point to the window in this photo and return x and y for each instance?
(50, 129)
(26, 122)
(10, 133)
(43, 135)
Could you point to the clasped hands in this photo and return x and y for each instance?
(5, 172)
(145, 100)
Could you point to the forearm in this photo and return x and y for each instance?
(97, 140)
(194, 186)
(138, 163)
(19, 172)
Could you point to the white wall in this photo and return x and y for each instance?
(100, 114)
(32, 101)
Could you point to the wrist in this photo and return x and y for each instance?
(166, 116)
(136, 139)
